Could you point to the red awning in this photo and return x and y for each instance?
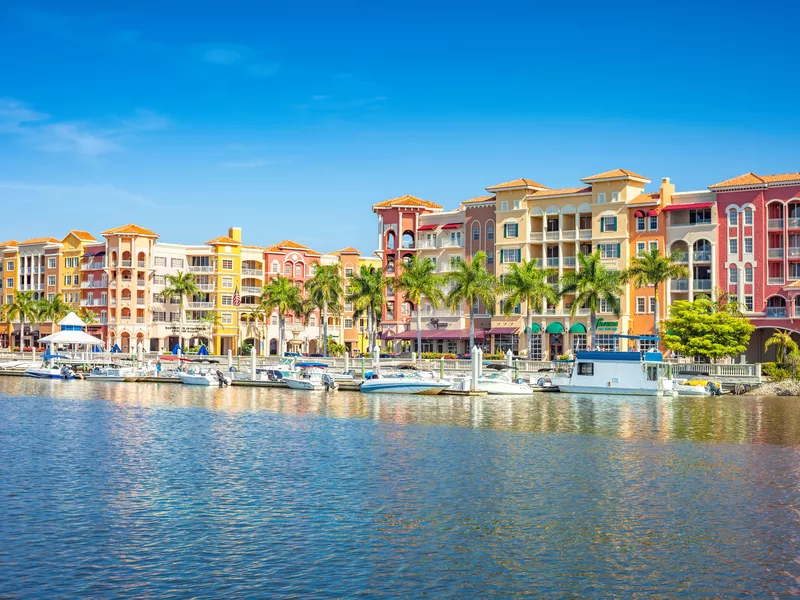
(502, 330)
(653, 212)
(688, 206)
(438, 334)
(638, 213)
(426, 227)
(452, 226)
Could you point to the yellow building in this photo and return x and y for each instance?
(8, 270)
(69, 280)
(227, 259)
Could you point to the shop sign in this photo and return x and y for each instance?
(607, 325)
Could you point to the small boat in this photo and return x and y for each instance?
(617, 373)
(697, 387)
(311, 376)
(55, 372)
(288, 368)
(115, 373)
(501, 383)
(403, 383)
(204, 377)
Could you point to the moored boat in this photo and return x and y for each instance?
(404, 384)
(115, 373)
(311, 376)
(54, 372)
(204, 377)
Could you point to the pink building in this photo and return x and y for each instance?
(759, 258)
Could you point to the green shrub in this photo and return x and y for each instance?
(775, 371)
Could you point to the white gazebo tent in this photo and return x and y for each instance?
(72, 334)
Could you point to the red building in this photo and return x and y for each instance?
(759, 258)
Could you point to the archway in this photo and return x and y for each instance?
(273, 346)
(408, 239)
(391, 240)
(125, 342)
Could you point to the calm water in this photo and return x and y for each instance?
(120, 490)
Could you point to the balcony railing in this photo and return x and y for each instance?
(126, 263)
(552, 261)
(140, 320)
(701, 284)
(427, 245)
(140, 283)
(775, 252)
(794, 222)
(252, 273)
(569, 261)
(100, 302)
(776, 312)
(582, 312)
(199, 305)
(775, 223)
(794, 251)
(553, 235)
(252, 289)
(200, 269)
(140, 301)
(569, 234)
(94, 284)
(113, 283)
(407, 247)
(585, 234)
(537, 262)
(437, 313)
(141, 264)
(682, 257)
(537, 236)
(775, 280)
(679, 285)
(451, 243)
(205, 287)
(93, 265)
(702, 256)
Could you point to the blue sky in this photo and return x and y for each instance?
(292, 119)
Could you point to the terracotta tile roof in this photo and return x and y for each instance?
(794, 284)
(517, 183)
(40, 240)
(222, 240)
(613, 174)
(290, 245)
(646, 198)
(751, 178)
(130, 228)
(563, 191)
(348, 250)
(83, 235)
(478, 199)
(9, 244)
(411, 201)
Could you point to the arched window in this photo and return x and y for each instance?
(312, 321)
(733, 272)
(391, 241)
(298, 270)
(476, 233)
(748, 216)
(287, 269)
(733, 216)
(408, 239)
(275, 267)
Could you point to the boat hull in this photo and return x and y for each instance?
(424, 388)
(503, 388)
(112, 378)
(304, 385)
(611, 391)
(200, 380)
(47, 374)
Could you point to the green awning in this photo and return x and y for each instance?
(555, 327)
(577, 328)
(534, 328)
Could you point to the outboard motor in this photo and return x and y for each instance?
(713, 388)
(328, 382)
(221, 378)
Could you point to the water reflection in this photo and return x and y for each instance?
(738, 419)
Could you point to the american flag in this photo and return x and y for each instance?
(237, 299)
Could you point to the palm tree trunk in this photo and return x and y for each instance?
(180, 325)
(530, 329)
(369, 330)
(593, 327)
(471, 326)
(655, 315)
(281, 329)
(325, 328)
(419, 333)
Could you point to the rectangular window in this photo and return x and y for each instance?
(227, 282)
(733, 246)
(159, 316)
(10, 282)
(51, 263)
(640, 305)
(607, 341)
(67, 279)
(176, 263)
(608, 223)
(50, 296)
(10, 265)
(733, 217)
(601, 198)
(615, 196)
(748, 274)
(510, 230)
(640, 248)
(490, 258)
(348, 323)
(227, 318)
(517, 204)
(489, 232)
(578, 342)
(174, 317)
(641, 223)
(652, 304)
(227, 300)
(511, 255)
(654, 245)
(348, 271)
(227, 264)
(586, 368)
(748, 216)
(609, 250)
(748, 245)
(9, 299)
(51, 280)
(76, 279)
(733, 274)
(748, 303)
(504, 205)
(160, 261)
(653, 223)
(701, 216)
(159, 280)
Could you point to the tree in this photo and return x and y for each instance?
(418, 279)
(53, 310)
(723, 301)
(698, 329)
(336, 349)
(255, 323)
(282, 295)
(325, 290)
(180, 286)
(784, 345)
(367, 296)
(651, 268)
(592, 284)
(87, 316)
(23, 307)
(211, 319)
(525, 282)
(470, 282)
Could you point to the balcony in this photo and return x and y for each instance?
(140, 320)
(794, 222)
(775, 223)
(679, 285)
(140, 283)
(569, 234)
(702, 256)
(585, 234)
(113, 283)
(794, 251)
(775, 253)
(553, 235)
(93, 265)
(682, 257)
(126, 263)
(253, 290)
(200, 269)
(776, 312)
(582, 312)
(407, 247)
(140, 301)
(437, 314)
(552, 261)
(100, 302)
(427, 245)
(451, 243)
(94, 284)
(205, 287)
(701, 284)
(252, 273)
(774, 280)
(199, 305)
(536, 236)
(141, 264)
(569, 261)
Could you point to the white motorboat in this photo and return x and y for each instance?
(501, 383)
(311, 376)
(289, 368)
(697, 387)
(204, 377)
(54, 372)
(115, 373)
(405, 383)
(617, 373)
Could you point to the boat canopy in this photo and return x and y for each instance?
(601, 355)
(308, 365)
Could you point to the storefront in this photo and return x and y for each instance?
(442, 341)
(505, 339)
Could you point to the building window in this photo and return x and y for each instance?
(227, 300)
(640, 305)
(10, 265)
(608, 223)
(640, 248)
(159, 280)
(641, 223)
(748, 245)
(275, 266)
(615, 196)
(274, 319)
(733, 274)
(586, 368)
(733, 217)
(159, 298)
(701, 216)
(490, 258)
(51, 295)
(76, 279)
(348, 271)
(609, 250)
(653, 245)
(287, 269)
(476, 234)
(653, 223)
(176, 263)
(517, 204)
(748, 274)
(510, 230)
(227, 264)
(489, 232)
(504, 205)
(227, 282)
(511, 255)
(748, 216)
(601, 198)
(607, 341)
(578, 342)
(9, 298)
(174, 317)
(51, 280)
(159, 316)
(227, 318)
(10, 282)
(67, 279)
(733, 246)
(748, 303)
(51, 263)
(160, 261)
(652, 304)
(348, 323)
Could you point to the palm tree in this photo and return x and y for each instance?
(417, 279)
(87, 316)
(211, 319)
(54, 310)
(723, 301)
(23, 307)
(651, 268)
(783, 342)
(325, 291)
(592, 284)
(255, 321)
(180, 286)
(471, 282)
(525, 282)
(282, 295)
(367, 296)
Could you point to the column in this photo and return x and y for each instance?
(690, 253)
(714, 277)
